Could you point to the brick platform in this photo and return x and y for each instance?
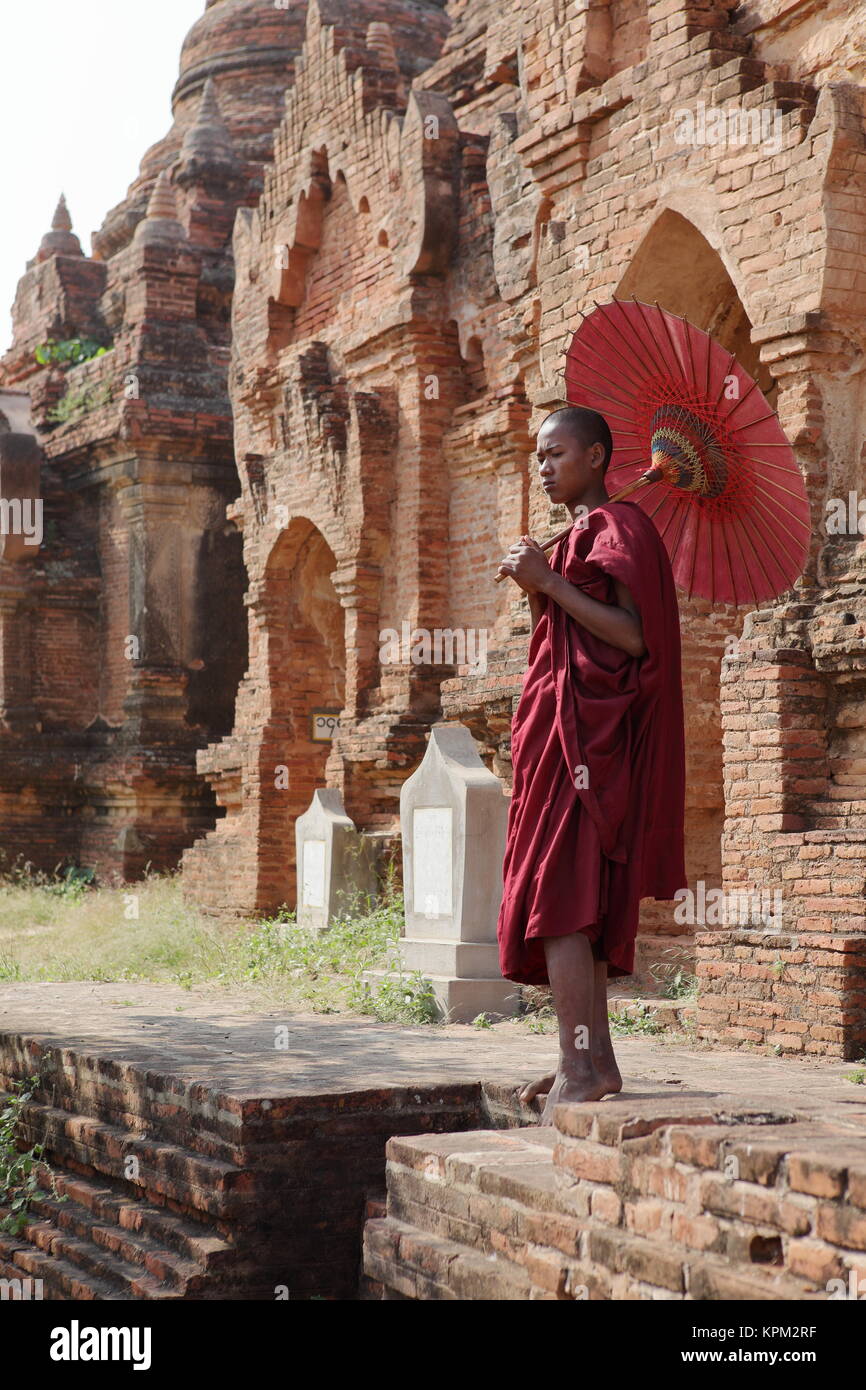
(255, 1168)
(198, 1161)
(719, 1198)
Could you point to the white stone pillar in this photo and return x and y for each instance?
(333, 858)
(453, 819)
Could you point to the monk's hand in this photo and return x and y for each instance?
(526, 563)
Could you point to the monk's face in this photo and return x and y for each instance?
(569, 470)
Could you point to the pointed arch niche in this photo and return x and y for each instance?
(305, 634)
(676, 266)
(615, 37)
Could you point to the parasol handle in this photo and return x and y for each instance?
(650, 476)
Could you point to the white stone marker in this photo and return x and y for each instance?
(334, 860)
(453, 819)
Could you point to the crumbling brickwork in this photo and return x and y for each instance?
(123, 633)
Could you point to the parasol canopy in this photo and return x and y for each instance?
(697, 446)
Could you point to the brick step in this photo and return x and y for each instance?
(418, 1265)
(101, 1276)
(91, 1086)
(137, 1244)
(78, 1260)
(115, 1256)
(114, 1246)
(110, 1207)
(165, 1169)
(59, 1280)
(505, 1198)
(402, 1254)
(509, 1188)
(531, 1234)
(510, 1230)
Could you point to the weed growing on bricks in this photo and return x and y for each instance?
(20, 1168)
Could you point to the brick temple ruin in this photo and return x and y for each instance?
(335, 302)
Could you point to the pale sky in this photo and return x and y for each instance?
(86, 88)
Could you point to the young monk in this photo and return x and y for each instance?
(596, 815)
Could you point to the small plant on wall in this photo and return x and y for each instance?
(77, 403)
(68, 352)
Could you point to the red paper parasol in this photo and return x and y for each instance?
(699, 448)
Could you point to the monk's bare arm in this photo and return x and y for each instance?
(618, 624)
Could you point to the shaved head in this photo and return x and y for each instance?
(587, 426)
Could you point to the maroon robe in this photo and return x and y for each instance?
(584, 847)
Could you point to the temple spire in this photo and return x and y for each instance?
(61, 221)
(160, 222)
(61, 240)
(207, 146)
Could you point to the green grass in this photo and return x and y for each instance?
(641, 1021)
(674, 982)
(59, 927)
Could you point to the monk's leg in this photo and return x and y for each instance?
(602, 1048)
(571, 971)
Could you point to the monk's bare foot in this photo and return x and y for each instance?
(609, 1074)
(606, 1070)
(537, 1088)
(566, 1088)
